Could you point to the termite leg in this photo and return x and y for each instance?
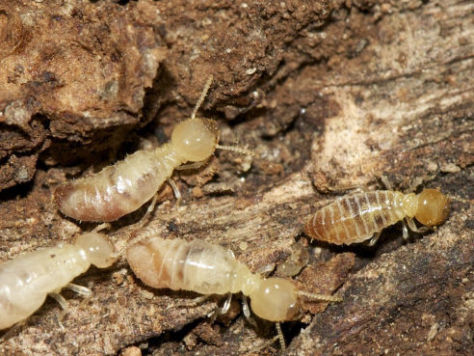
(137, 226)
(151, 207)
(222, 310)
(194, 165)
(266, 269)
(405, 232)
(281, 338)
(176, 192)
(64, 307)
(386, 182)
(103, 226)
(225, 308)
(411, 224)
(81, 290)
(374, 238)
(247, 313)
(194, 302)
(59, 317)
(60, 299)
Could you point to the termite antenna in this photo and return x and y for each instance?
(203, 95)
(281, 338)
(236, 149)
(323, 297)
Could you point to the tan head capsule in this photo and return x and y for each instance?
(26, 280)
(358, 217)
(210, 269)
(124, 187)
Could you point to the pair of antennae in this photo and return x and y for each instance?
(236, 149)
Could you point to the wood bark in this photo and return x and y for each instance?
(330, 95)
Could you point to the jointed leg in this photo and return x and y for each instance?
(101, 227)
(246, 311)
(225, 308)
(81, 290)
(176, 191)
(194, 165)
(386, 182)
(375, 238)
(411, 224)
(60, 299)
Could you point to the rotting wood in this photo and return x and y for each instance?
(341, 96)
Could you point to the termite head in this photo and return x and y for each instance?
(433, 207)
(275, 300)
(195, 139)
(98, 249)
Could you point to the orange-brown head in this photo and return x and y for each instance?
(195, 139)
(433, 207)
(276, 300)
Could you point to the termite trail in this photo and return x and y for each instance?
(124, 187)
(207, 269)
(358, 217)
(28, 279)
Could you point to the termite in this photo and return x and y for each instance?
(124, 187)
(208, 269)
(358, 217)
(28, 279)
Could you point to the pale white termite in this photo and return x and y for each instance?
(357, 217)
(207, 269)
(28, 279)
(122, 188)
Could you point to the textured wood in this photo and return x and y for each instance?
(329, 94)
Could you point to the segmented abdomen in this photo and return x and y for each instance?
(119, 189)
(177, 264)
(355, 218)
(26, 280)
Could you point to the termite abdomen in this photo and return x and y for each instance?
(26, 280)
(357, 217)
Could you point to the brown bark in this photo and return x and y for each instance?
(331, 95)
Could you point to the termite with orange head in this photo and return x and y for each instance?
(28, 279)
(358, 217)
(207, 269)
(124, 187)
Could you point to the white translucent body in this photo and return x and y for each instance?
(122, 188)
(210, 269)
(26, 280)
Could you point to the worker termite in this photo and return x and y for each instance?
(122, 188)
(357, 217)
(27, 280)
(208, 269)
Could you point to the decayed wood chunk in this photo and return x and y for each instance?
(330, 96)
(69, 71)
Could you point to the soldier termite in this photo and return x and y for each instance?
(122, 188)
(27, 280)
(208, 269)
(357, 217)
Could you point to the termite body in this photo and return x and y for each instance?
(122, 188)
(26, 280)
(358, 217)
(207, 268)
